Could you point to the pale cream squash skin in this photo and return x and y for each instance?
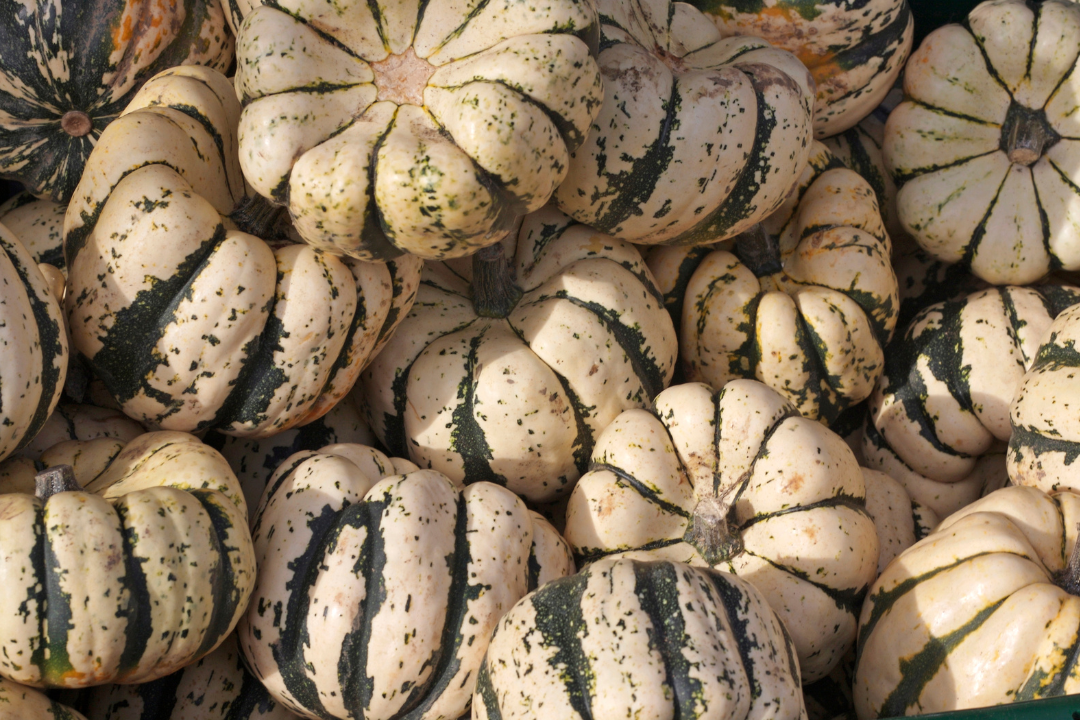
(519, 400)
(217, 687)
(429, 132)
(18, 702)
(900, 520)
(813, 330)
(970, 616)
(260, 338)
(630, 639)
(164, 503)
(33, 346)
(784, 486)
(943, 400)
(39, 224)
(965, 194)
(364, 558)
(1045, 431)
(698, 138)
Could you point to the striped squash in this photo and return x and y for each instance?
(698, 137)
(737, 480)
(69, 67)
(854, 52)
(983, 145)
(364, 559)
(217, 687)
(631, 639)
(982, 612)
(944, 397)
(427, 128)
(143, 572)
(201, 323)
(804, 303)
(39, 224)
(33, 346)
(508, 369)
(899, 519)
(1045, 441)
(18, 702)
(254, 460)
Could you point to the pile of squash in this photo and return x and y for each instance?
(584, 359)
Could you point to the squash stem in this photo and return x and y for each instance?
(256, 215)
(55, 480)
(710, 532)
(495, 291)
(1026, 134)
(758, 250)
(1069, 579)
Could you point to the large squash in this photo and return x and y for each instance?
(944, 397)
(190, 319)
(508, 368)
(1045, 441)
(33, 346)
(69, 67)
(364, 559)
(698, 138)
(983, 611)
(854, 52)
(804, 303)
(983, 147)
(427, 128)
(737, 480)
(217, 687)
(630, 639)
(143, 572)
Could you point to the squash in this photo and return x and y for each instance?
(983, 611)
(625, 638)
(981, 147)
(698, 137)
(923, 281)
(737, 480)
(804, 303)
(68, 68)
(512, 363)
(190, 319)
(427, 128)
(18, 702)
(39, 224)
(143, 572)
(217, 687)
(254, 460)
(1045, 439)
(33, 346)
(364, 558)
(944, 397)
(854, 52)
(899, 519)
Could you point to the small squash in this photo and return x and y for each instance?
(739, 481)
(631, 639)
(217, 687)
(854, 52)
(18, 702)
(512, 363)
(1045, 439)
(189, 317)
(144, 571)
(428, 128)
(900, 520)
(364, 558)
(983, 611)
(39, 224)
(804, 303)
(983, 147)
(33, 346)
(698, 138)
(944, 397)
(68, 68)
